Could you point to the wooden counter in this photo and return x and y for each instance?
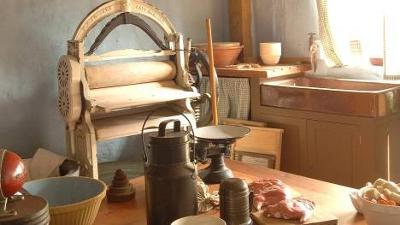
(263, 71)
(333, 146)
(332, 198)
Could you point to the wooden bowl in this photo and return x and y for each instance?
(72, 200)
(218, 45)
(225, 53)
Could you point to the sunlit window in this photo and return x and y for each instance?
(365, 32)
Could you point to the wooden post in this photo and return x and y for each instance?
(213, 85)
(388, 157)
(240, 24)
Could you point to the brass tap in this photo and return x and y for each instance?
(311, 39)
(314, 46)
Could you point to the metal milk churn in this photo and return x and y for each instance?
(170, 176)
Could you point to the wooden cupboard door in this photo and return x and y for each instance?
(293, 140)
(331, 151)
(394, 148)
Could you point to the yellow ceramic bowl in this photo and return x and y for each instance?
(72, 200)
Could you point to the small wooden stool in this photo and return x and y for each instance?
(262, 142)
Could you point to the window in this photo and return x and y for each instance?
(355, 32)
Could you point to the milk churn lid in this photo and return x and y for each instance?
(164, 136)
(32, 210)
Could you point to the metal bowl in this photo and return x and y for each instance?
(221, 133)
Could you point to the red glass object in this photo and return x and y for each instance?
(376, 61)
(13, 173)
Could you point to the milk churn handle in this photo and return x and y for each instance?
(163, 126)
(145, 158)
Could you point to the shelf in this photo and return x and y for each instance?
(132, 96)
(263, 71)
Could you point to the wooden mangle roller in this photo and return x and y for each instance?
(102, 98)
(131, 73)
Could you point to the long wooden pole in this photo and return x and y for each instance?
(388, 157)
(213, 75)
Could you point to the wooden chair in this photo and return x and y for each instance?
(261, 142)
(102, 98)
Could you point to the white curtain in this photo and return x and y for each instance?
(353, 31)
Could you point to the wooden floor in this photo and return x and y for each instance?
(132, 168)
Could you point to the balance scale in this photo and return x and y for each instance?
(218, 138)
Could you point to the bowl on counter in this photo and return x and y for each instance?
(270, 52)
(225, 53)
(72, 200)
(375, 214)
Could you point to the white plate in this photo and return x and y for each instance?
(199, 220)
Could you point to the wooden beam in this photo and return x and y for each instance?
(240, 24)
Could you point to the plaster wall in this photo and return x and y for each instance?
(33, 36)
(286, 21)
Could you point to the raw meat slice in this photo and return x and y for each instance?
(261, 186)
(276, 200)
(271, 197)
(268, 192)
(295, 208)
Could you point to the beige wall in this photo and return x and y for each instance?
(32, 38)
(34, 35)
(286, 21)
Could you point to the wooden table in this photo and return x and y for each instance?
(333, 198)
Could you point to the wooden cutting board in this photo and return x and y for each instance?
(319, 218)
